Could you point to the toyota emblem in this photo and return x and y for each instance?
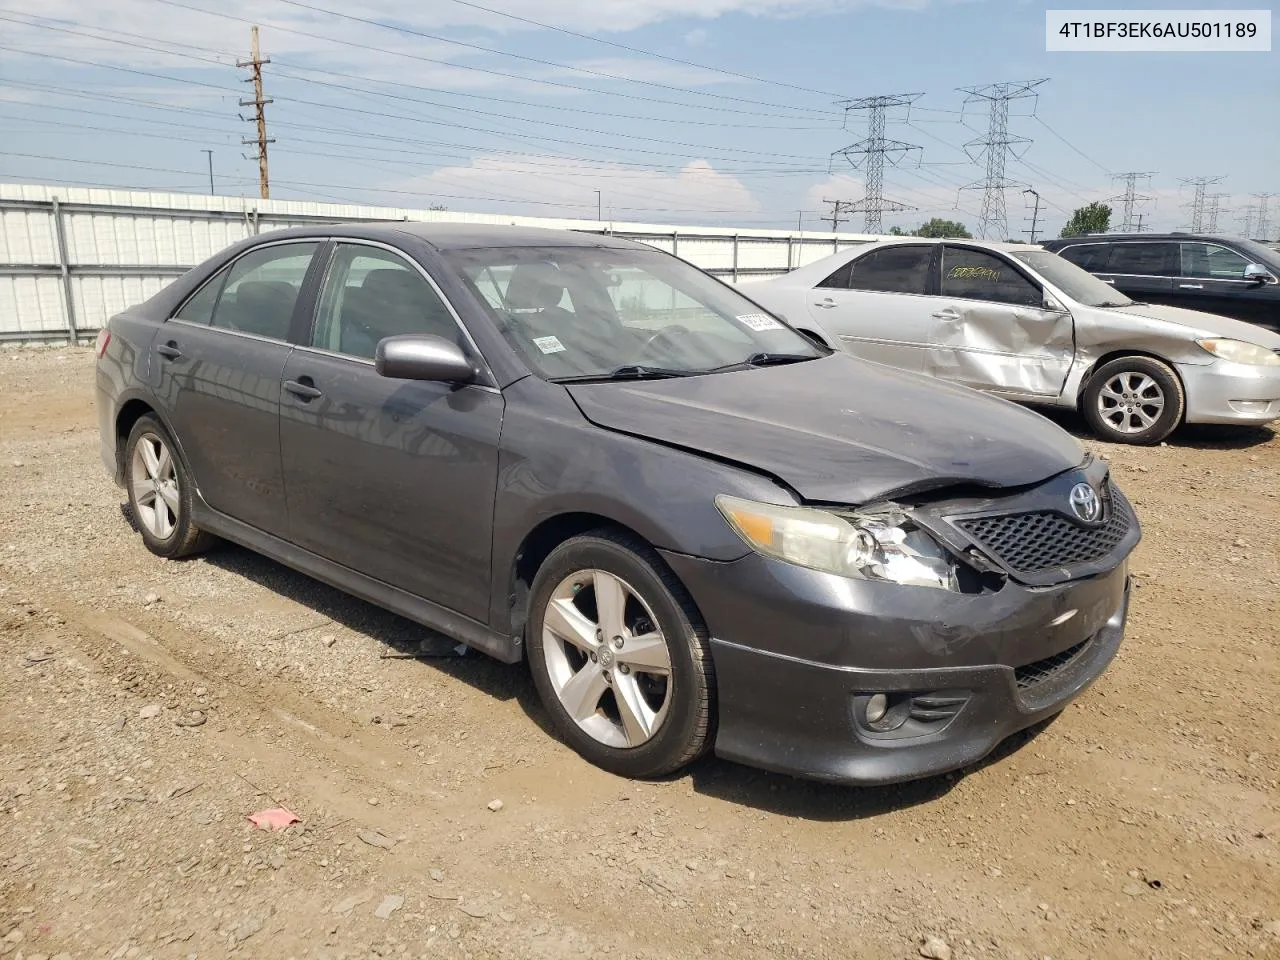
(1085, 503)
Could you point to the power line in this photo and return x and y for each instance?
(1197, 202)
(996, 146)
(254, 65)
(1130, 197)
(645, 53)
(1038, 119)
(874, 150)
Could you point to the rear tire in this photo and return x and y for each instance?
(1135, 400)
(161, 492)
(620, 657)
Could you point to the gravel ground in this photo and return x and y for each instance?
(148, 707)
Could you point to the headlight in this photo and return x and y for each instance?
(1237, 351)
(882, 545)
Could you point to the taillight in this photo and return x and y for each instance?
(104, 338)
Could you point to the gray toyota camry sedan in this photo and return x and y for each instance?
(700, 528)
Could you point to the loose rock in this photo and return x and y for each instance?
(389, 905)
(496, 805)
(149, 712)
(935, 948)
(375, 839)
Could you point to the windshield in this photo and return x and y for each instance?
(574, 312)
(1080, 285)
(1263, 254)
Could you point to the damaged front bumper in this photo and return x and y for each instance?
(1223, 392)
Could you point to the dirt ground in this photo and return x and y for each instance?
(147, 707)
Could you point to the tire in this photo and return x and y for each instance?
(600, 677)
(175, 535)
(1134, 400)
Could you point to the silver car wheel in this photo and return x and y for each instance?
(607, 659)
(154, 482)
(1131, 402)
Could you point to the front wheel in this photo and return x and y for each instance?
(619, 656)
(1136, 400)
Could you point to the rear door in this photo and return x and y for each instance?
(392, 478)
(1212, 280)
(992, 330)
(879, 305)
(1142, 270)
(219, 359)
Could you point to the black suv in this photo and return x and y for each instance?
(1227, 276)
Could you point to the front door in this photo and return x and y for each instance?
(993, 331)
(219, 361)
(392, 478)
(1212, 280)
(879, 305)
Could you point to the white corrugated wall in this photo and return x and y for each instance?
(121, 246)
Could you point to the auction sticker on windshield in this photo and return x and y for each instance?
(548, 344)
(759, 321)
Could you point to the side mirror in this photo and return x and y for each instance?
(1257, 273)
(1053, 303)
(418, 357)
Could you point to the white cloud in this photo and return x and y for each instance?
(696, 38)
(558, 187)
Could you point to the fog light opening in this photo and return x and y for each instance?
(884, 712)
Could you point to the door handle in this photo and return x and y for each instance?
(946, 315)
(169, 350)
(1191, 286)
(1105, 280)
(305, 392)
(827, 304)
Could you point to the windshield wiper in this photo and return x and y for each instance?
(764, 360)
(630, 371)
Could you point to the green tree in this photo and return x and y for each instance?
(1094, 218)
(937, 227)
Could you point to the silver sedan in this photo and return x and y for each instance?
(1021, 322)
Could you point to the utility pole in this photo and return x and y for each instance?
(599, 207)
(1138, 224)
(996, 147)
(1035, 214)
(1264, 220)
(872, 153)
(1215, 208)
(255, 64)
(1130, 197)
(209, 153)
(1197, 203)
(838, 209)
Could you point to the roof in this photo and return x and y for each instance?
(457, 236)
(967, 241)
(1109, 237)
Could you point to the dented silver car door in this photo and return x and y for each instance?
(994, 329)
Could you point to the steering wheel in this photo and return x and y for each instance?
(665, 333)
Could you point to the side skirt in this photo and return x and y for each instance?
(412, 607)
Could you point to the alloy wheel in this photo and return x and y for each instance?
(154, 481)
(1131, 402)
(607, 658)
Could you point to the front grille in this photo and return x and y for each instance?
(1033, 673)
(1030, 543)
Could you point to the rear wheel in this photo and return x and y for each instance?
(1136, 400)
(160, 492)
(619, 656)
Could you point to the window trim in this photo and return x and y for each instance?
(1148, 276)
(999, 255)
(322, 281)
(224, 271)
(931, 285)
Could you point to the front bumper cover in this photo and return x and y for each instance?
(798, 652)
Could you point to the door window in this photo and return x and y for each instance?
(256, 293)
(370, 294)
(977, 275)
(1209, 261)
(1088, 256)
(896, 269)
(1143, 259)
(840, 279)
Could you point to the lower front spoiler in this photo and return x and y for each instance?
(807, 719)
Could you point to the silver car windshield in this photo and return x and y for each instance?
(1080, 285)
(581, 312)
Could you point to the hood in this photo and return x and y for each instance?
(840, 429)
(1208, 322)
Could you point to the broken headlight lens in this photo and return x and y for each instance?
(874, 545)
(1238, 351)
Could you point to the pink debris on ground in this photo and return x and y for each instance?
(277, 818)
